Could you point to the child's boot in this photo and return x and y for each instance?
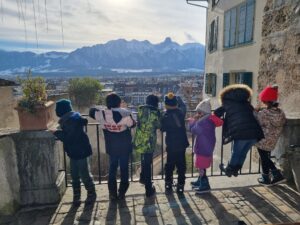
(168, 187)
(204, 186)
(123, 189)
(91, 194)
(228, 170)
(180, 189)
(76, 196)
(277, 177)
(150, 192)
(264, 179)
(112, 188)
(196, 183)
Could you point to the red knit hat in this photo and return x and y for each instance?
(269, 94)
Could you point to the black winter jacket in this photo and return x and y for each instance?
(237, 112)
(173, 124)
(75, 141)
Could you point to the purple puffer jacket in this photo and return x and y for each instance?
(205, 134)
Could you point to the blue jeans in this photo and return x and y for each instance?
(80, 171)
(114, 162)
(239, 152)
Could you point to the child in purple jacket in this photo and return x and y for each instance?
(203, 126)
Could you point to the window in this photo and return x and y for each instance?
(213, 35)
(237, 78)
(210, 84)
(238, 24)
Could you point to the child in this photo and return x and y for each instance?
(77, 146)
(203, 125)
(145, 139)
(176, 143)
(240, 125)
(272, 120)
(116, 123)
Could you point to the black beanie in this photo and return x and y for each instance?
(152, 100)
(63, 106)
(170, 99)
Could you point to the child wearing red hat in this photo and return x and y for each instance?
(272, 120)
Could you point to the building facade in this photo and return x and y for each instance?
(233, 44)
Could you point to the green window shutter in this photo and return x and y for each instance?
(214, 85)
(206, 83)
(233, 18)
(226, 29)
(247, 78)
(249, 20)
(226, 81)
(242, 24)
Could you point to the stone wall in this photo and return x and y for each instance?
(280, 52)
(9, 179)
(30, 170)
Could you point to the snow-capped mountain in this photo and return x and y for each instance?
(114, 56)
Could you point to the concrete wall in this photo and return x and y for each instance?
(8, 116)
(30, 173)
(9, 179)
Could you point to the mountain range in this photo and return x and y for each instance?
(116, 56)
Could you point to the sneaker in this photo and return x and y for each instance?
(196, 183)
(151, 192)
(180, 189)
(168, 188)
(264, 180)
(278, 178)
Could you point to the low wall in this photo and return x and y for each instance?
(9, 179)
(290, 136)
(30, 174)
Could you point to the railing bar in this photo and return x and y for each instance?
(98, 152)
(193, 140)
(250, 163)
(152, 168)
(222, 151)
(162, 155)
(65, 169)
(131, 168)
(259, 165)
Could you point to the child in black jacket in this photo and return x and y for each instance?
(176, 141)
(77, 146)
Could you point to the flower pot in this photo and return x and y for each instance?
(41, 119)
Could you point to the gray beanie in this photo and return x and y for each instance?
(204, 106)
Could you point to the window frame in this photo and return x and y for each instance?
(238, 77)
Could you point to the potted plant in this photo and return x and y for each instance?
(35, 112)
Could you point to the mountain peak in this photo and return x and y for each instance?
(168, 40)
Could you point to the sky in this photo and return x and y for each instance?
(42, 25)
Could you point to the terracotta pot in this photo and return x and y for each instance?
(42, 119)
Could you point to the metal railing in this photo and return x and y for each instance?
(159, 156)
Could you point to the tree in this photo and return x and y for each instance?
(84, 92)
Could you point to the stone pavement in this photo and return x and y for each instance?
(231, 200)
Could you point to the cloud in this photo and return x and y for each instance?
(189, 37)
(91, 22)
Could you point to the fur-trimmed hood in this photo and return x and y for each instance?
(236, 92)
